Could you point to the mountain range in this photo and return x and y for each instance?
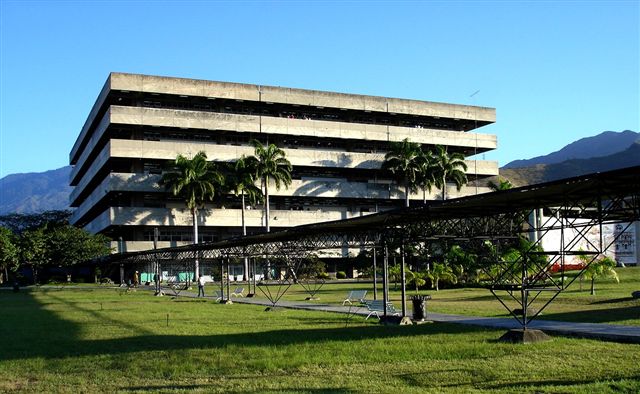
(604, 144)
(35, 192)
(604, 152)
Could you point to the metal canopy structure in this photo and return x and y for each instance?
(483, 225)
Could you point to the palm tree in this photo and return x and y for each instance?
(417, 278)
(439, 272)
(270, 165)
(405, 160)
(242, 181)
(601, 268)
(502, 184)
(427, 176)
(194, 180)
(449, 167)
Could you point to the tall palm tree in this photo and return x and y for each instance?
(194, 180)
(242, 181)
(427, 176)
(405, 161)
(270, 165)
(449, 167)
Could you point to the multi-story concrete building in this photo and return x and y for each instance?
(336, 143)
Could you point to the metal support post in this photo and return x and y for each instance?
(524, 291)
(222, 278)
(375, 274)
(228, 279)
(385, 278)
(404, 283)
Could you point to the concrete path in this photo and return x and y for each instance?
(612, 332)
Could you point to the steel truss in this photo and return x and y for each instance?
(484, 225)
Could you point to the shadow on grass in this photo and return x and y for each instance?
(552, 385)
(597, 315)
(29, 331)
(613, 301)
(213, 386)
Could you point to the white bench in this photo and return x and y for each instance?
(355, 295)
(376, 308)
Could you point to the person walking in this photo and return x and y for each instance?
(136, 279)
(201, 286)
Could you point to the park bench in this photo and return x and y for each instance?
(376, 307)
(238, 292)
(355, 295)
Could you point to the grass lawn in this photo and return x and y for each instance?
(88, 340)
(612, 303)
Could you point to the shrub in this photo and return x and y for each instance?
(341, 275)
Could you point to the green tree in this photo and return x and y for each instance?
(270, 165)
(406, 162)
(9, 253)
(439, 272)
(427, 175)
(449, 167)
(196, 181)
(461, 261)
(69, 245)
(601, 268)
(242, 181)
(501, 184)
(34, 250)
(20, 222)
(312, 268)
(416, 278)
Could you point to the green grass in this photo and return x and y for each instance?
(612, 303)
(90, 340)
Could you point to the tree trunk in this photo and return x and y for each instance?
(266, 208)
(424, 196)
(194, 213)
(444, 188)
(406, 195)
(593, 286)
(244, 232)
(266, 204)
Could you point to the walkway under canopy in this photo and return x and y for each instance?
(483, 224)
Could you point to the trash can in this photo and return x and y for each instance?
(420, 306)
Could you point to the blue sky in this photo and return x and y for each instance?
(555, 71)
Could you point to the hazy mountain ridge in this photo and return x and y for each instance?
(601, 145)
(35, 191)
(550, 172)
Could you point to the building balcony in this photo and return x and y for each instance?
(168, 150)
(316, 188)
(153, 117)
(302, 97)
(213, 217)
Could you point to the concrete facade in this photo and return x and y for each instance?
(336, 143)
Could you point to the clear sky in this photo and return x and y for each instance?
(555, 71)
